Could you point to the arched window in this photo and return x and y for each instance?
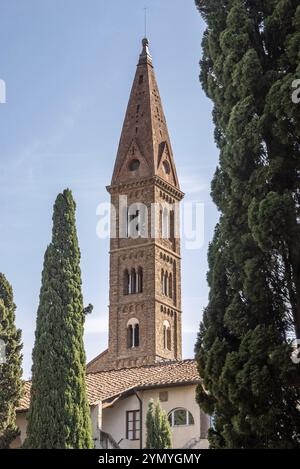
(162, 281)
(165, 223)
(174, 283)
(169, 340)
(133, 222)
(180, 417)
(136, 335)
(137, 221)
(167, 335)
(140, 280)
(160, 222)
(172, 225)
(170, 286)
(133, 282)
(133, 333)
(166, 283)
(126, 282)
(129, 336)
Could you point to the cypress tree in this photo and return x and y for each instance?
(10, 365)
(159, 435)
(251, 52)
(150, 440)
(59, 415)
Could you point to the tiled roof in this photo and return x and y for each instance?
(106, 385)
(25, 401)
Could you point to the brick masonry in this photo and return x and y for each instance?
(144, 139)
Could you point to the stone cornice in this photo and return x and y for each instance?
(139, 183)
(173, 191)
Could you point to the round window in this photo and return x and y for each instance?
(134, 165)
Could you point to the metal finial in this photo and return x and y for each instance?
(145, 56)
(146, 18)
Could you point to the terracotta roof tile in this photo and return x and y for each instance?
(25, 401)
(106, 385)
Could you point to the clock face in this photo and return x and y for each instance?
(166, 167)
(134, 165)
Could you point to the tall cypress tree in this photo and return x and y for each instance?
(159, 435)
(250, 60)
(10, 365)
(59, 414)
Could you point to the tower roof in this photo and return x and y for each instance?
(145, 148)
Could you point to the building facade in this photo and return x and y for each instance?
(145, 265)
(143, 360)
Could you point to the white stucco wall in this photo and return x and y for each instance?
(114, 421)
(96, 418)
(96, 415)
(114, 418)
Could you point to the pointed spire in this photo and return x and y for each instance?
(145, 149)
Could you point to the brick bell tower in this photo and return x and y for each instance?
(145, 266)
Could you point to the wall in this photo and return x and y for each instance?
(114, 421)
(96, 415)
(181, 396)
(22, 425)
(114, 418)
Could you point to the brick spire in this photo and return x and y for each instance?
(145, 148)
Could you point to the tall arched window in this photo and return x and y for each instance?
(133, 222)
(174, 283)
(170, 286)
(162, 281)
(140, 280)
(172, 225)
(166, 283)
(126, 282)
(165, 223)
(169, 339)
(133, 282)
(133, 333)
(160, 223)
(129, 336)
(167, 335)
(136, 335)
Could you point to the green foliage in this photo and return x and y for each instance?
(159, 434)
(59, 415)
(10, 366)
(251, 56)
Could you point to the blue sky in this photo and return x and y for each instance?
(68, 67)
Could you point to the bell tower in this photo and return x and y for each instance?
(145, 266)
